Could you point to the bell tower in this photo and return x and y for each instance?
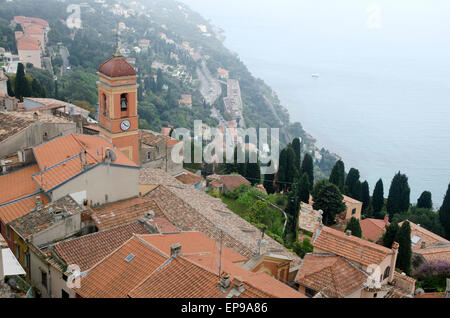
(117, 114)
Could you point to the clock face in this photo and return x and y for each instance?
(125, 125)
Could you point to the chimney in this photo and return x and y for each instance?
(175, 250)
(386, 219)
(423, 244)
(348, 233)
(262, 247)
(225, 281)
(38, 203)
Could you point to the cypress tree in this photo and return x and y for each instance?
(328, 198)
(268, 181)
(253, 173)
(403, 238)
(9, 88)
(378, 198)
(308, 168)
(292, 208)
(292, 171)
(303, 189)
(56, 90)
(21, 85)
(444, 214)
(398, 198)
(351, 183)
(358, 191)
(337, 175)
(296, 146)
(425, 201)
(365, 196)
(354, 226)
(282, 170)
(390, 234)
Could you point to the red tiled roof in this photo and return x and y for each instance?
(191, 243)
(351, 200)
(373, 229)
(18, 184)
(331, 275)
(125, 211)
(27, 43)
(351, 247)
(115, 277)
(188, 177)
(59, 159)
(231, 181)
(88, 250)
(164, 226)
(117, 67)
(33, 29)
(426, 236)
(431, 295)
(17, 209)
(435, 253)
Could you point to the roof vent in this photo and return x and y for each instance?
(348, 233)
(129, 258)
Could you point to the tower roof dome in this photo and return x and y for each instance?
(116, 66)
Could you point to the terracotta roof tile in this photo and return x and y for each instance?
(191, 209)
(115, 277)
(188, 177)
(232, 181)
(435, 253)
(426, 236)
(331, 275)
(11, 211)
(125, 211)
(18, 184)
(117, 67)
(27, 43)
(10, 124)
(353, 248)
(373, 229)
(88, 250)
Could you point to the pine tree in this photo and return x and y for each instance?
(303, 189)
(425, 201)
(328, 198)
(365, 196)
(9, 88)
(403, 238)
(444, 214)
(351, 183)
(296, 146)
(308, 168)
(378, 198)
(398, 199)
(354, 226)
(337, 175)
(390, 234)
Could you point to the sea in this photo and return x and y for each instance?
(380, 94)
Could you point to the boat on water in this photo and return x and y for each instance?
(315, 75)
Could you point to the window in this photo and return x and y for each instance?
(17, 251)
(123, 102)
(387, 271)
(104, 104)
(354, 211)
(44, 279)
(149, 155)
(27, 260)
(64, 277)
(64, 294)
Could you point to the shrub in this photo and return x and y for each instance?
(433, 274)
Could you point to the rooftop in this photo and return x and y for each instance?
(124, 211)
(88, 250)
(420, 236)
(231, 181)
(333, 275)
(373, 229)
(117, 67)
(41, 219)
(191, 209)
(16, 209)
(352, 248)
(18, 184)
(188, 177)
(27, 43)
(151, 138)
